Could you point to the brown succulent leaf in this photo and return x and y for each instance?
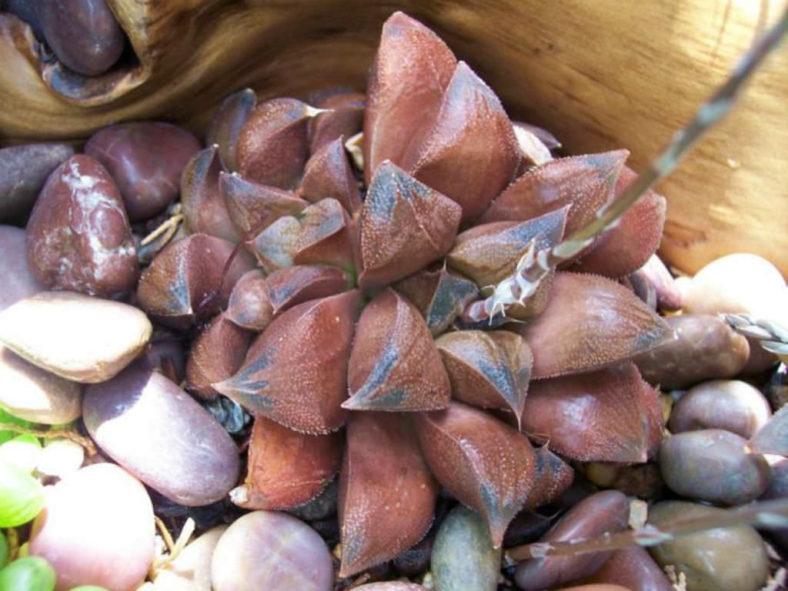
(226, 125)
(394, 364)
(275, 246)
(344, 117)
(772, 438)
(294, 285)
(215, 355)
(553, 477)
(321, 234)
(487, 369)
(471, 153)
(586, 182)
(412, 69)
(326, 236)
(273, 144)
(588, 323)
(610, 415)
(187, 282)
(627, 247)
(328, 174)
(253, 207)
(486, 464)
(489, 253)
(296, 371)
(249, 306)
(286, 468)
(404, 225)
(204, 208)
(440, 296)
(386, 492)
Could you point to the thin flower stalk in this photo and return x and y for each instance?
(535, 265)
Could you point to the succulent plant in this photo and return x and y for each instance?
(406, 288)
(363, 301)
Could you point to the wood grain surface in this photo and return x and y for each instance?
(600, 75)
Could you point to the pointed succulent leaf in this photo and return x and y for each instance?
(344, 117)
(628, 246)
(553, 476)
(250, 306)
(275, 246)
(294, 285)
(490, 252)
(226, 125)
(394, 364)
(586, 182)
(772, 438)
(325, 236)
(486, 464)
(187, 281)
(204, 208)
(404, 225)
(286, 468)
(610, 415)
(319, 234)
(215, 355)
(471, 152)
(440, 296)
(588, 323)
(386, 493)
(273, 144)
(296, 371)
(328, 174)
(487, 369)
(412, 69)
(253, 207)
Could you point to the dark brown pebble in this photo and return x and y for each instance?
(713, 465)
(633, 569)
(146, 159)
(705, 348)
(26, 11)
(606, 511)
(83, 34)
(78, 236)
(23, 171)
(731, 405)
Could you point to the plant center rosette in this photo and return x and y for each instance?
(353, 311)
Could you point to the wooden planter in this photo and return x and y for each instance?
(600, 75)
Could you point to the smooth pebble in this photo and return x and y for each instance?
(75, 336)
(96, 528)
(271, 550)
